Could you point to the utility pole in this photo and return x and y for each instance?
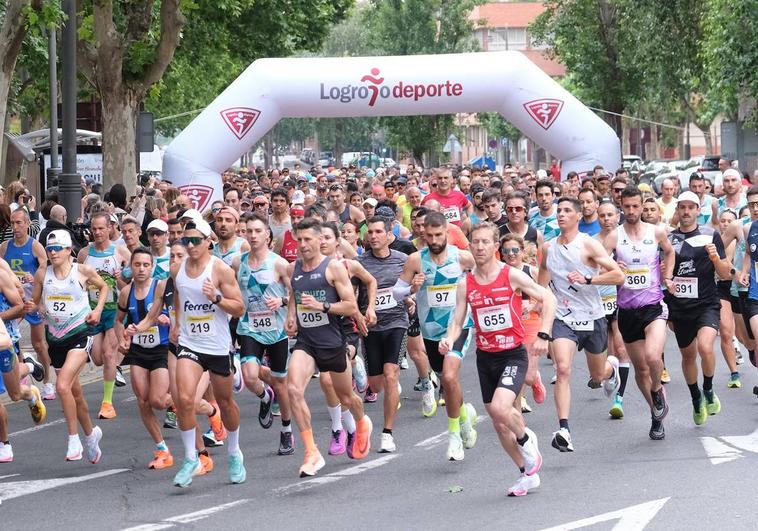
(70, 187)
(52, 52)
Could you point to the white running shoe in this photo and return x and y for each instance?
(6, 453)
(524, 484)
(562, 440)
(387, 445)
(74, 452)
(468, 433)
(238, 382)
(454, 446)
(611, 385)
(48, 391)
(428, 401)
(92, 441)
(530, 452)
(359, 373)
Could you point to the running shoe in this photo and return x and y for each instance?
(92, 445)
(712, 403)
(38, 370)
(120, 380)
(170, 421)
(700, 413)
(530, 453)
(48, 391)
(370, 396)
(237, 472)
(468, 433)
(75, 449)
(524, 484)
(562, 440)
(207, 464)
(219, 431)
(417, 386)
(107, 411)
(209, 439)
(737, 351)
(362, 444)
(312, 464)
(617, 409)
(161, 459)
(190, 468)
(360, 375)
(454, 446)
(539, 393)
(238, 384)
(525, 407)
(38, 410)
(441, 400)
(611, 385)
(739, 358)
(265, 418)
(428, 401)
(403, 363)
(387, 445)
(350, 445)
(657, 433)
(434, 379)
(734, 381)
(286, 443)
(665, 377)
(660, 404)
(275, 409)
(6, 453)
(338, 442)
(592, 384)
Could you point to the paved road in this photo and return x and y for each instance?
(615, 472)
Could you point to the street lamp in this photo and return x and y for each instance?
(70, 184)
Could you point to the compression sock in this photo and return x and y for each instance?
(454, 424)
(335, 414)
(108, 391)
(348, 421)
(695, 394)
(188, 440)
(233, 441)
(624, 374)
(708, 384)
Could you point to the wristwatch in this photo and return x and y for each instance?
(545, 336)
(217, 299)
(588, 279)
(327, 306)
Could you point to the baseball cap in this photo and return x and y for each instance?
(191, 213)
(114, 219)
(298, 197)
(731, 172)
(200, 225)
(371, 201)
(389, 184)
(644, 187)
(158, 224)
(385, 212)
(689, 196)
(229, 210)
(59, 237)
(541, 174)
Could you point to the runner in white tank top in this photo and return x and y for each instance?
(571, 266)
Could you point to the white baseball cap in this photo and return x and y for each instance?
(200, 225)
(298, 197)
(59, 237)
(158, 224)
(192, 214)
(689, 196)
(371, 201)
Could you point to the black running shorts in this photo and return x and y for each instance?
(506, 369)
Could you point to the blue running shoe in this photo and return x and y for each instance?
(190, 468)
(237, 472)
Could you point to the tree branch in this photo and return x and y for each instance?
(138, 16)
(172, 22)
(12, 34)
(110, 51)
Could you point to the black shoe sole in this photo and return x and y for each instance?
(560, 444)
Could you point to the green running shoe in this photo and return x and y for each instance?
(700, 413)
(713, 404)
(617, 409)
(734, 381)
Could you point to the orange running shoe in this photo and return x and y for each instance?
(207, 463)
(312, 463)
(162, 459)
(107, 411)
(219, 432)
(363, 438)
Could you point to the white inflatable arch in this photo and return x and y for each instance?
(272, 89)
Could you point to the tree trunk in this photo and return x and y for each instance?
(120, 111)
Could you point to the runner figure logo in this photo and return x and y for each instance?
(240, 120)
(544, 111)
(198, 194)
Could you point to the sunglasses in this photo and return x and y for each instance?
(514, 209)
(194, 240)
(152, 233)
(214, 210)
(618, 190)
(54, 248)
(259, 205)
(511, 250)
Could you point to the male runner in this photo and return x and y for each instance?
(694, 306)
(207, 294)
(572, 266)
(25, 256)
(453, 203)
(494, 292)
(641, 312)
(60, 289)
(229, 245)
(320, 295)
(432, 274)
(147, 352)
(108, 259)
(263, 282)
(589, 224)
(544, 219)
(385, 338)
(157, 235)
(344, 211)
(279, 221)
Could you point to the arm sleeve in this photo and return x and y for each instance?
(401, 290)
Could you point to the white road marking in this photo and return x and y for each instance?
(335, 476)
(188, 517)
(634, 518)
(14, 489)
(749, 443)
(718, 452)
(37, 428)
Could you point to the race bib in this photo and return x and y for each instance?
(609, 304)
(495, 318)
(685, 288)
(262, 321)
(308, 318)
(581, 326)
(149, 339)
(638, 278)
(384, 299)
(201, 325)
(441, 296)
(452, 214)
(58, 305)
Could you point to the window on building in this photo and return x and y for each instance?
(507, 39)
